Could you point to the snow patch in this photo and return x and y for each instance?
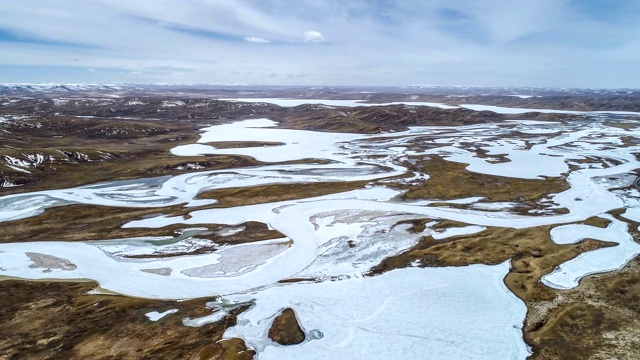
(155, 316)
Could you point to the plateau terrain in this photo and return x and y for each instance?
(265, 222)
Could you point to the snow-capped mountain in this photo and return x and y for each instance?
(62, 88)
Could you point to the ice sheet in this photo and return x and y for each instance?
(568, 275)
(435, 313)
(509, 110)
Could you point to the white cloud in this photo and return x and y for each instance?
(255, 39)
(91, 70)
(466, 42)
(312, 36)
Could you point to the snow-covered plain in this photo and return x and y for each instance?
(462, 312)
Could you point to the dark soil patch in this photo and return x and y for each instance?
(285, 329)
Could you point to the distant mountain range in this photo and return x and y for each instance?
(61, 88)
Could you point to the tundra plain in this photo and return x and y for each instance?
(272, 223)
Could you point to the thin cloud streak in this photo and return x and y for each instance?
(255, 39)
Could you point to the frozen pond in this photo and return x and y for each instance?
(337, 238)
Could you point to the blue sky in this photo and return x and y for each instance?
(556, 43)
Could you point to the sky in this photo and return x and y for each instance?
(540, 43)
